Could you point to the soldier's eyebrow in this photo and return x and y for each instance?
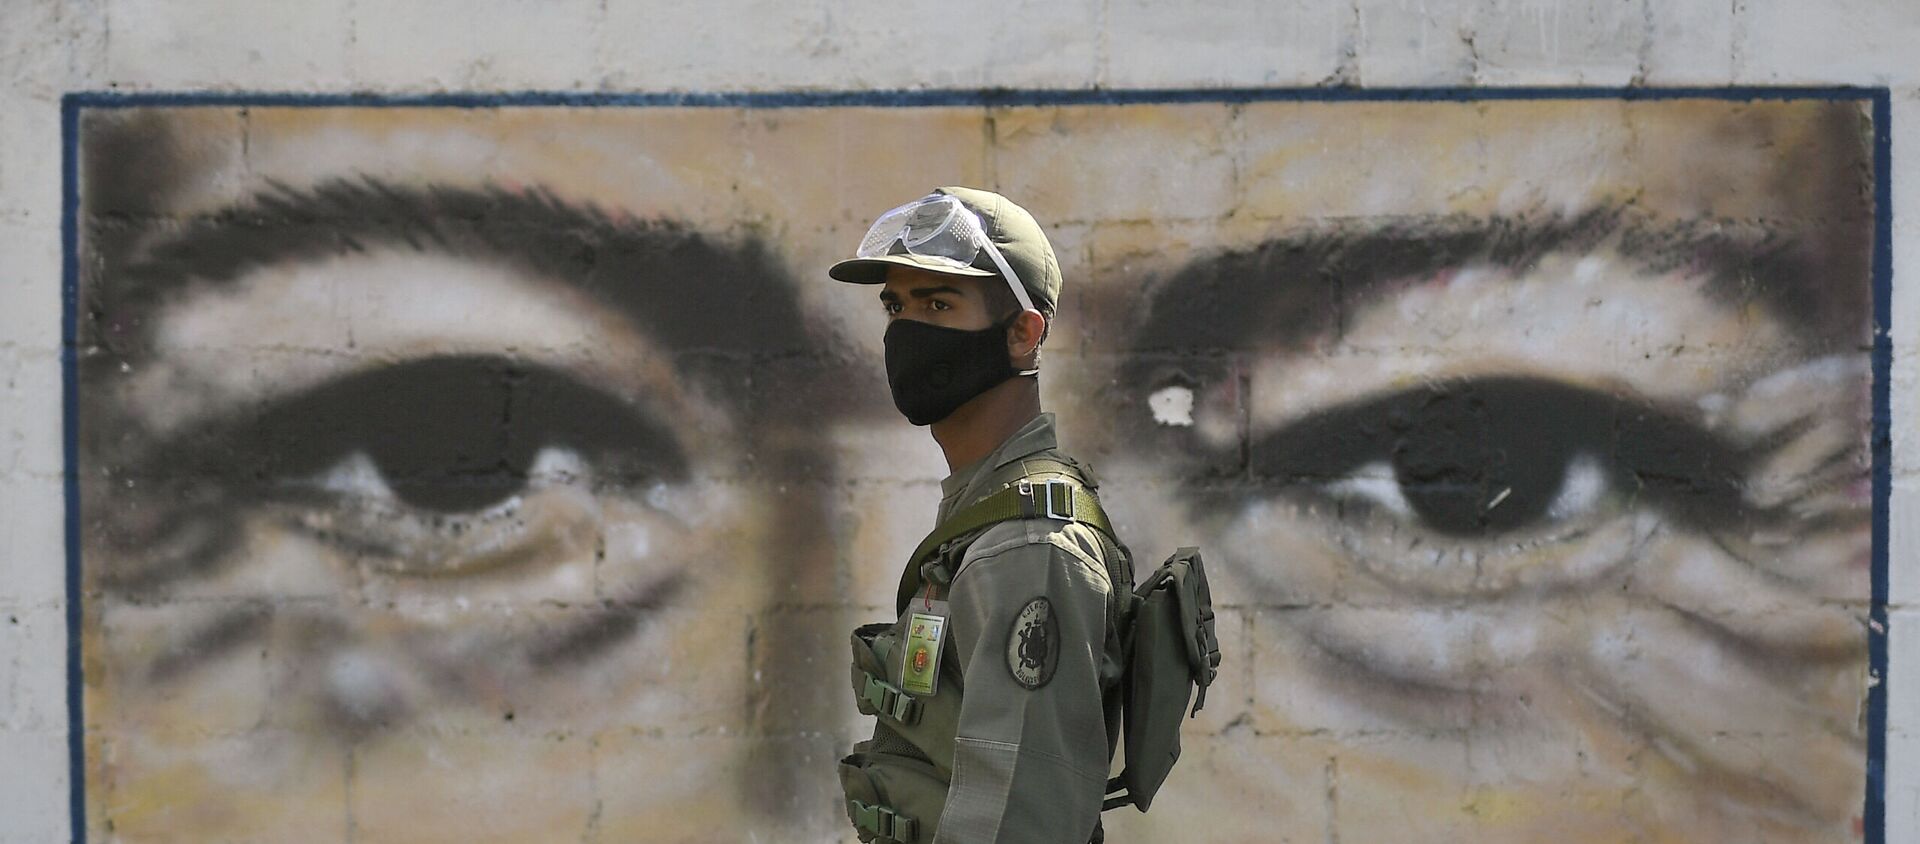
(925, 292)
(693, 293)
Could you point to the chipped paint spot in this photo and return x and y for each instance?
(1172, 406)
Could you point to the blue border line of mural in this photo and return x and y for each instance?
(1877, 633)
(1874, 814)
(983, 98)
(70, 451)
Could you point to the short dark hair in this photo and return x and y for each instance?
(1002, 304)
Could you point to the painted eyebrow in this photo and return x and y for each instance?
(692, 293)
(1285, 290)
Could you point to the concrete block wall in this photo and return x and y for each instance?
(305, 687)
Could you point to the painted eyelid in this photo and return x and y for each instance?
(512, 408)
(1636, 442)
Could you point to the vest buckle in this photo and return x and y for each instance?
(881, 821)
(1053, 500)
(890, 701)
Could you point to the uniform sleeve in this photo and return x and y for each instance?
(1030, 760)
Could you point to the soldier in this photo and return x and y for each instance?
(996, 691)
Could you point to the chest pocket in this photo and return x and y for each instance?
(896, 784)
(929, 723)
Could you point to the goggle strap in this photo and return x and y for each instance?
(1013, 279)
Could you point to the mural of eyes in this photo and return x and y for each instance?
(499, 573)
(1461, 482)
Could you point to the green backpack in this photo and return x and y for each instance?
(1173, 657)
(1172, 652)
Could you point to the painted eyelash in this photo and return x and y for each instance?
(198, 488)
(1434, 435)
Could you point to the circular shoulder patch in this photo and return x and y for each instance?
(1033, 644)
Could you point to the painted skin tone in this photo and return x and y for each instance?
(1614, 661)
(374, 636)
(1704, 692)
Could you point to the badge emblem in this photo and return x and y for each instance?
(920, 661)
(1033, 644)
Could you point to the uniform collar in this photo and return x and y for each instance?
(1037, 435)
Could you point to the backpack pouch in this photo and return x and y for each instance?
(1174, 651)
(892, 799)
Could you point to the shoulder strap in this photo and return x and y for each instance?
(1024, 498)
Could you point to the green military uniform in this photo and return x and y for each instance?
(1016, 741)
(996, 691)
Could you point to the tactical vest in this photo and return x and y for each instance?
(896, 783)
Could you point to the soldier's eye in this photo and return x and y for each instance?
(1502, 455)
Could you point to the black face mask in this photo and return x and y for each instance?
(933, 370)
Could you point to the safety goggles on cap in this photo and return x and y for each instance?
(943, 228)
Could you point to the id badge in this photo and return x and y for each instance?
(920, 658)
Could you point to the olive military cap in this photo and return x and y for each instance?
(1013, 231)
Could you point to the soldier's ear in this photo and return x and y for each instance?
(1025, 334)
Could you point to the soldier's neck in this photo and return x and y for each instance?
(978, 427)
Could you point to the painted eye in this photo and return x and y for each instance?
(1571, 489)
(419, 467)
(1503, 456)
(459, 434)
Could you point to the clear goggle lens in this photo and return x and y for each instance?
(932, 227)
(938, 226)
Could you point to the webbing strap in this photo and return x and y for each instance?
(881, 821)
(1024, 499)
(890, 701)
